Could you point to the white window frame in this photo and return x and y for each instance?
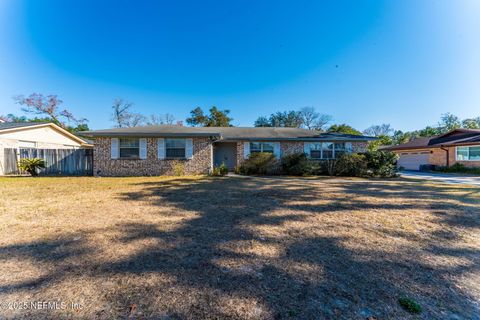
(346, 149)
(184, 148)
(120, 148)
(468, 153)
(261, 146)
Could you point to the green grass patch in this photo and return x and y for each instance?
(410, 305)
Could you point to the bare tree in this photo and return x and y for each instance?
(379, 130)
(308, 115)
(322, 121)
(122, 115)
(49, 107)
(161, 119)
(313, 120)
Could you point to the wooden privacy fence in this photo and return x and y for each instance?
(57, 161)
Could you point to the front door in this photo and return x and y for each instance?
(225, 152)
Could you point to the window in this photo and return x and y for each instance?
(327, 150)
(468, 153)
(129, 148)
(256, 147)
(316, 150)
(175, 148)
(340, 149)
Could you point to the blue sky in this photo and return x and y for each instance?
(363, 62)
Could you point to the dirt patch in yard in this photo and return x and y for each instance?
(259, 248)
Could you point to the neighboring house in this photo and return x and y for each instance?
(36, 135)
(155, 150)
(457, 146)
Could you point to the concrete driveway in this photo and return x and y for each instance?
(451, 178)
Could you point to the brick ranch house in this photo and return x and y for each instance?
(155, 150)
(457, 146)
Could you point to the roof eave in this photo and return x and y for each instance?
(302, 139)
(53, 126)
(150, 134)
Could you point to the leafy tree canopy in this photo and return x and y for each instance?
(306, 117)
(344, 128)
(286, 119)
(216, 118)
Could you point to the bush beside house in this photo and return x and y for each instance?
(368, 164)
(31, 165)
(458, 168)
(260, 163)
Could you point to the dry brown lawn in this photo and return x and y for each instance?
(254, 248)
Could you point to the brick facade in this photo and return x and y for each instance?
(438, 157)
(290, 147)
(201, 162)
(240, 158)
(103, 165)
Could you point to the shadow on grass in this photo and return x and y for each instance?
(312, 276)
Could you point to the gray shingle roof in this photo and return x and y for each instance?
(226, 133)
(11, 125)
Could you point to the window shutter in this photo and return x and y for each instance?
(143, 148)
(115, 148)
(189, 148)
(161, 148)
(306, 148)
(276, 149)
(246, 150)
(348, 146)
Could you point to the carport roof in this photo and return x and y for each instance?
(457, 137)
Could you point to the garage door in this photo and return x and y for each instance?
(412, 160)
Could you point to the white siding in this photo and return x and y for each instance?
(42, 136)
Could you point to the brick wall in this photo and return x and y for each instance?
(452, 152)
(240, 158)
(359, 146)
(289, 147)
(103, 165)
(438, 157)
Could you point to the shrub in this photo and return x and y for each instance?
(296, 164)
(31, 165)
(221, 170)
(460, 168)
(351, 165)
(410, 305)
(260, 163)
(381, 163)
(330, 166)
(315, 167)
(178, 169)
